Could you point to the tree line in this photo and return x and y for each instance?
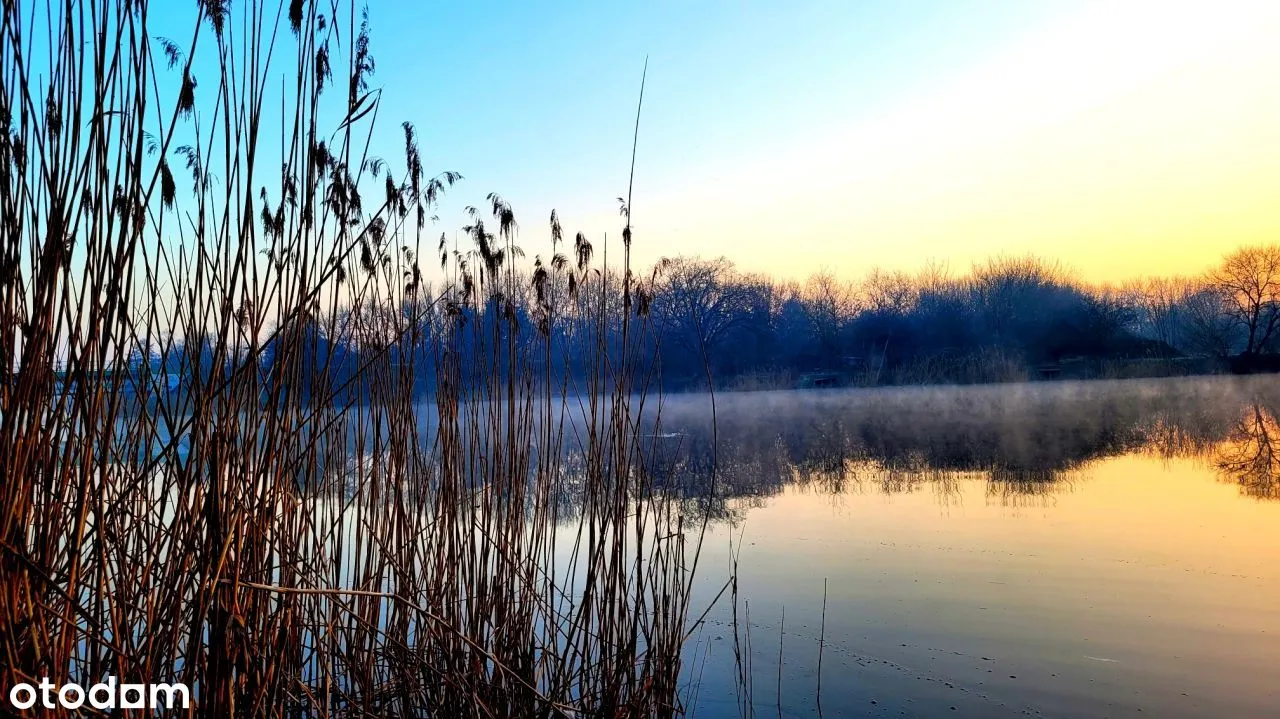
(710, 323)
(1006, 318)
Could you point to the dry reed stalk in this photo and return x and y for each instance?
(284, 542)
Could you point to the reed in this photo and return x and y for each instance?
(283, 543)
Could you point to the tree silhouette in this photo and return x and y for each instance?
(1248, 280)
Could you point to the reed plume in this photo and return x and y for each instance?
(220, 466)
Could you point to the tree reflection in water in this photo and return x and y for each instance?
(1026, 442)
(1248, 456)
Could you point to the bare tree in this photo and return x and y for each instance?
(1205, 327)
(934, 277)
(702, 300)
(828, 303)
(884, 291)
(1160, 305)
(1008, 290)
(1248, 280)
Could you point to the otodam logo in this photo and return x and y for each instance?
(107, 694)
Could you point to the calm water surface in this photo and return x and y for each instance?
(1099, 549)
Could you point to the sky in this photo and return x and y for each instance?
(1122, 138)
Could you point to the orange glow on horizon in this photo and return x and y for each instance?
(1139, 140)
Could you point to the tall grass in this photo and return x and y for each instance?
(280, 543)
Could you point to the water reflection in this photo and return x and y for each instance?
(1248, 455)
(1027, 442)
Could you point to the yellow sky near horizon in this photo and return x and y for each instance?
(1139, 139)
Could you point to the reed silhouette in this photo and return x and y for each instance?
(251, 447)
(217, 471)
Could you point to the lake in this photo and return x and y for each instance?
(1053, 549)
(1046, 550)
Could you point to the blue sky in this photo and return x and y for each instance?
(1124, 138)
(547, 96)
(539, 104)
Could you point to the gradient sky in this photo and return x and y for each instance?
(1123, 138)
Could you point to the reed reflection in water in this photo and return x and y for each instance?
(1100, 557)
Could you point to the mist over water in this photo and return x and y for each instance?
(1019, 438)
(1048, 549)
(1054, 549)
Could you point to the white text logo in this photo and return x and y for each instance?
(103, 695)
